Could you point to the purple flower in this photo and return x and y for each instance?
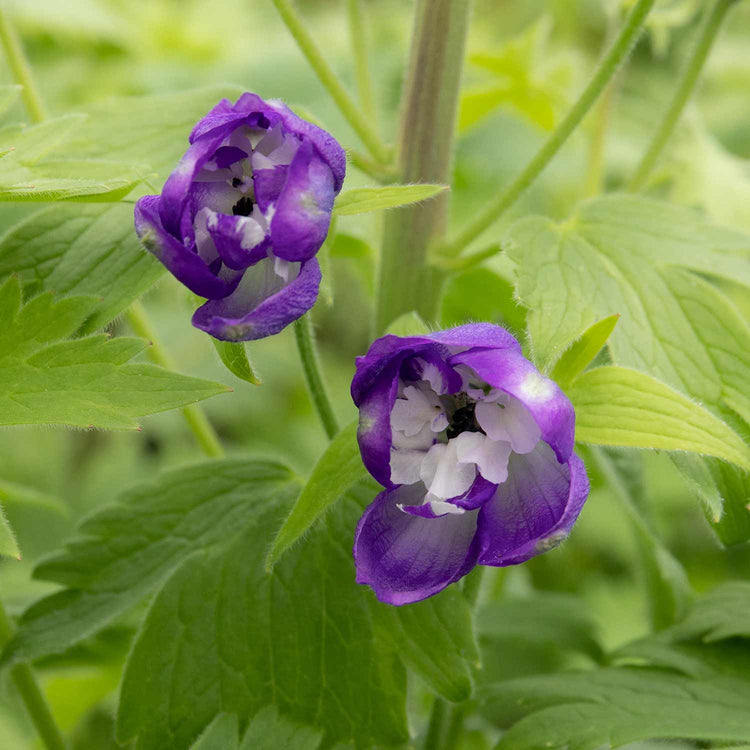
(240, 219)
(475, 449)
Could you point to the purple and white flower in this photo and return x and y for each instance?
(240, 219)
(474, 447)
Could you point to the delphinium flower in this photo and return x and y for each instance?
(474, 447)
(240, 219)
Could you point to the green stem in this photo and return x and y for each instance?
(306, 43)
(361, 67)
(21, 69)
(436, 724)
(33, 698)
(689, 77)
(497, 206)
(307, 353)
(428, 123)
(193, 414)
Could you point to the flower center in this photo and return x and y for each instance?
(244, 206)
(463, 419)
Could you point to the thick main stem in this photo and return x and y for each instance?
(689, 77)
(193, 414)
(33, 699)
(497, 206)
(20, 67)
(311, 366)
(428, 124)
(330, 80)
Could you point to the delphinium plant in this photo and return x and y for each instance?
(411, 571)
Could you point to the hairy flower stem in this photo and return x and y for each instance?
(33, 698)
(19, 65)
(194, 415)
(425, 154)
(308, 355)
(609, 65)
(358, 34)
(305, 41)
(706, 37)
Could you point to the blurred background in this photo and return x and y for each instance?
(527, 60)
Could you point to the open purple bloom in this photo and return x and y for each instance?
(474, 447)
(240, 219)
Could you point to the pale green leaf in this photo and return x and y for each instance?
(150, 130)
(269, 730)
(84, 180)
(221, 734)
(622, 407)
(234, 357)
(83, 382)
(612, 707)
(581, 352)
(33, 142)
(361, 200)
(81, 249)
(408, 324)
(724, 612)
(338, 469)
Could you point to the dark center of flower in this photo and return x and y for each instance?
(243, 207)
(462, 420)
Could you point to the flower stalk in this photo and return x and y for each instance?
(303, 333)
(358, 35)
(20, 68)
(706, 37)
(31, 694)
(330, 80)
(425, 153)
(609, 65)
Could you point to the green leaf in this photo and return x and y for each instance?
(85, 180)
(618, 406)
(613, 707)
(722, 613)
(361, 200)
(269, 730)
(359, 253)
(84, 382)
(301, 637)
(32, 143)
(339, 468)
(81, 249)
(581, 352)
(221, 734)
(408, 324)
(8, 543)
(544, 618)
(150, 130)
(234, 357)
(436, 639)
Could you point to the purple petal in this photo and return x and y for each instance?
(534, 509)
(477, 495)
(250, 109)
(303, 211)
(513, 373)
(174, 194)
(239, 240)
(406, 558)
(268, 184)
(262, 304)
(183, 262)
(325, 144)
